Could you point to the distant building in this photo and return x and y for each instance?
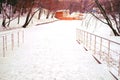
(65, 15)
(62, 13)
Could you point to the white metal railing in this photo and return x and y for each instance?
(9, 40)
(104, 50)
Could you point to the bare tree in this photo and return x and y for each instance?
(30, 12)
(110, 10)
(6, 15)
(7, 10)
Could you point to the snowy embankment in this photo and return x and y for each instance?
(14, 22)
(51, 52)
(94, 26)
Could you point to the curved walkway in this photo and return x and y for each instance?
(51, 52)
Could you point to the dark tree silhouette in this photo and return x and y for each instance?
(110, 10)
(30, 12)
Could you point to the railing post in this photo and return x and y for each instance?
(6, 42)
(12, 39)
(87, 40)
(95, 45)
(90, 41)
(119, 66)
(81, 36)
(3, 46)
(109, 53)
(23, 36)
(100, 47)
(18, 39)
(78, 36)
(84, 38)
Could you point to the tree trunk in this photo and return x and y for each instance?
(119, 19)
(19, 16)
(3, 22)
(48, 14)
(9, 22)
(53, 14)
(105, 15)
(27, 19)
(0, 7)
(39, 15)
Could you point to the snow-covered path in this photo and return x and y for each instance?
(51, 52)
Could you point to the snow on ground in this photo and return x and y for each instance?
(51, 52)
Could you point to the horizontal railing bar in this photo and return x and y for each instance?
(100, 36)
